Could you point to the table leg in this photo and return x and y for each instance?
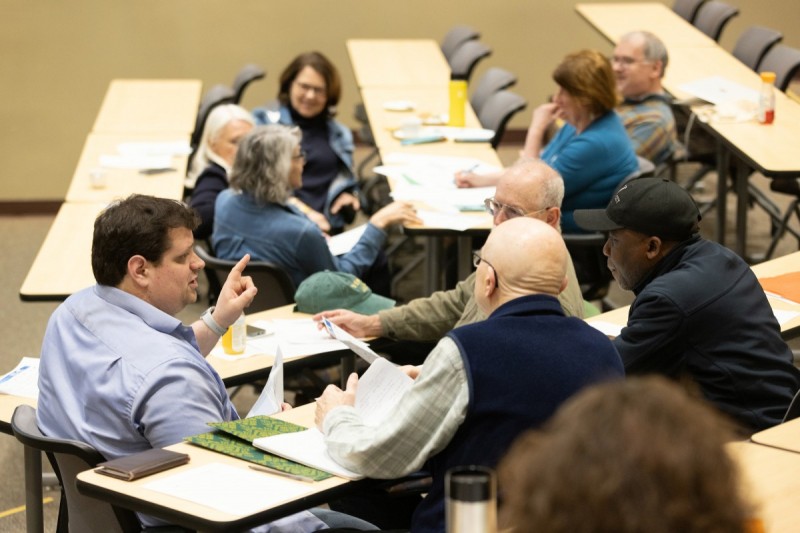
(348, 366)
(464, 257)
(742, 203)
(33, 490)
(433, 266)
(722, 191)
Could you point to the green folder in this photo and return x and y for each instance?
(235, 438)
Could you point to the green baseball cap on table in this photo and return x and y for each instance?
(328, 290)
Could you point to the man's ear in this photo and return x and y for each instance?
(654, 247)
(554, 217)
(139, 270)
(489, 282)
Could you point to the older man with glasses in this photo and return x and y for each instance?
(639, 61)
(529, 188)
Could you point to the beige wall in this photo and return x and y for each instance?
(58, 57)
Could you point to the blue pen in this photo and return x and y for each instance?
(470, 169)
(328, 326)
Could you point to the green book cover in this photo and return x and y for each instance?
(256, 427)
(222, 442)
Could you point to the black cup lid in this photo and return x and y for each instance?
(470, 484)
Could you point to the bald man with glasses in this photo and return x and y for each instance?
(528, 188)
(484, 383)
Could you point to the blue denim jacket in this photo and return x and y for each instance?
(281, 234)
(341, 141)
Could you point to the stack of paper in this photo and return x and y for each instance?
(380, 389)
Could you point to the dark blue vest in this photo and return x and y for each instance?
(521, 363)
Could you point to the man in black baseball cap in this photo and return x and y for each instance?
(699, 310)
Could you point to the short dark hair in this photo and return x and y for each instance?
(137, 225)
(324, 67)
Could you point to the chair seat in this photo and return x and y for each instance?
(785, 186)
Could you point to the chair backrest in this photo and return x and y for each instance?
(712, 17)
(247, 75)
(498, 110)
(216, 95)
(784, 61)
(794, 408)
(753, 44)
(275, 287)
(687, 9)
(69, 458)
(466, 57)
(591, 267)
(493, 80)
(455, 37)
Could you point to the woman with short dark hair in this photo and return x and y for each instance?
(309, 90)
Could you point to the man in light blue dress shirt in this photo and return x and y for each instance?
(118, 370)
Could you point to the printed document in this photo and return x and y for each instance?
(23, 380)
(269, 402)
(380, 389)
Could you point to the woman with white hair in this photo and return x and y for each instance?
(208, 176)
(256, 217)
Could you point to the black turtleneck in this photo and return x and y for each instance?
(321, 166)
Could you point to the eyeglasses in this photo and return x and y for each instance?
(477, 259)
(300, 155)
(304, 87)
(494, 207)
(626, 61)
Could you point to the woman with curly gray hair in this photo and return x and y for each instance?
(255, 216)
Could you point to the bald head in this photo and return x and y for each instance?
(522, 256)
(530, 187)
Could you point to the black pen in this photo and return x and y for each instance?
(277, 472)
(156, 170)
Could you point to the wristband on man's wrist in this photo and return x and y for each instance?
(209, 321)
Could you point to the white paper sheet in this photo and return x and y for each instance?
(718, 90)
(783, 316)
(306, 447)
(296, 337)
(609, 328)
(433, 219)
(359, 347)
(269, 402)
(228, 489)
(135, 161)
(23, 380)
(168, 148)
(380, 389)
(342, 243)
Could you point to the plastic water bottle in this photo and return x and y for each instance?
(234, 340)
(766, 99)
(458, 102)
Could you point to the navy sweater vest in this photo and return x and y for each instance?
(521, 363)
